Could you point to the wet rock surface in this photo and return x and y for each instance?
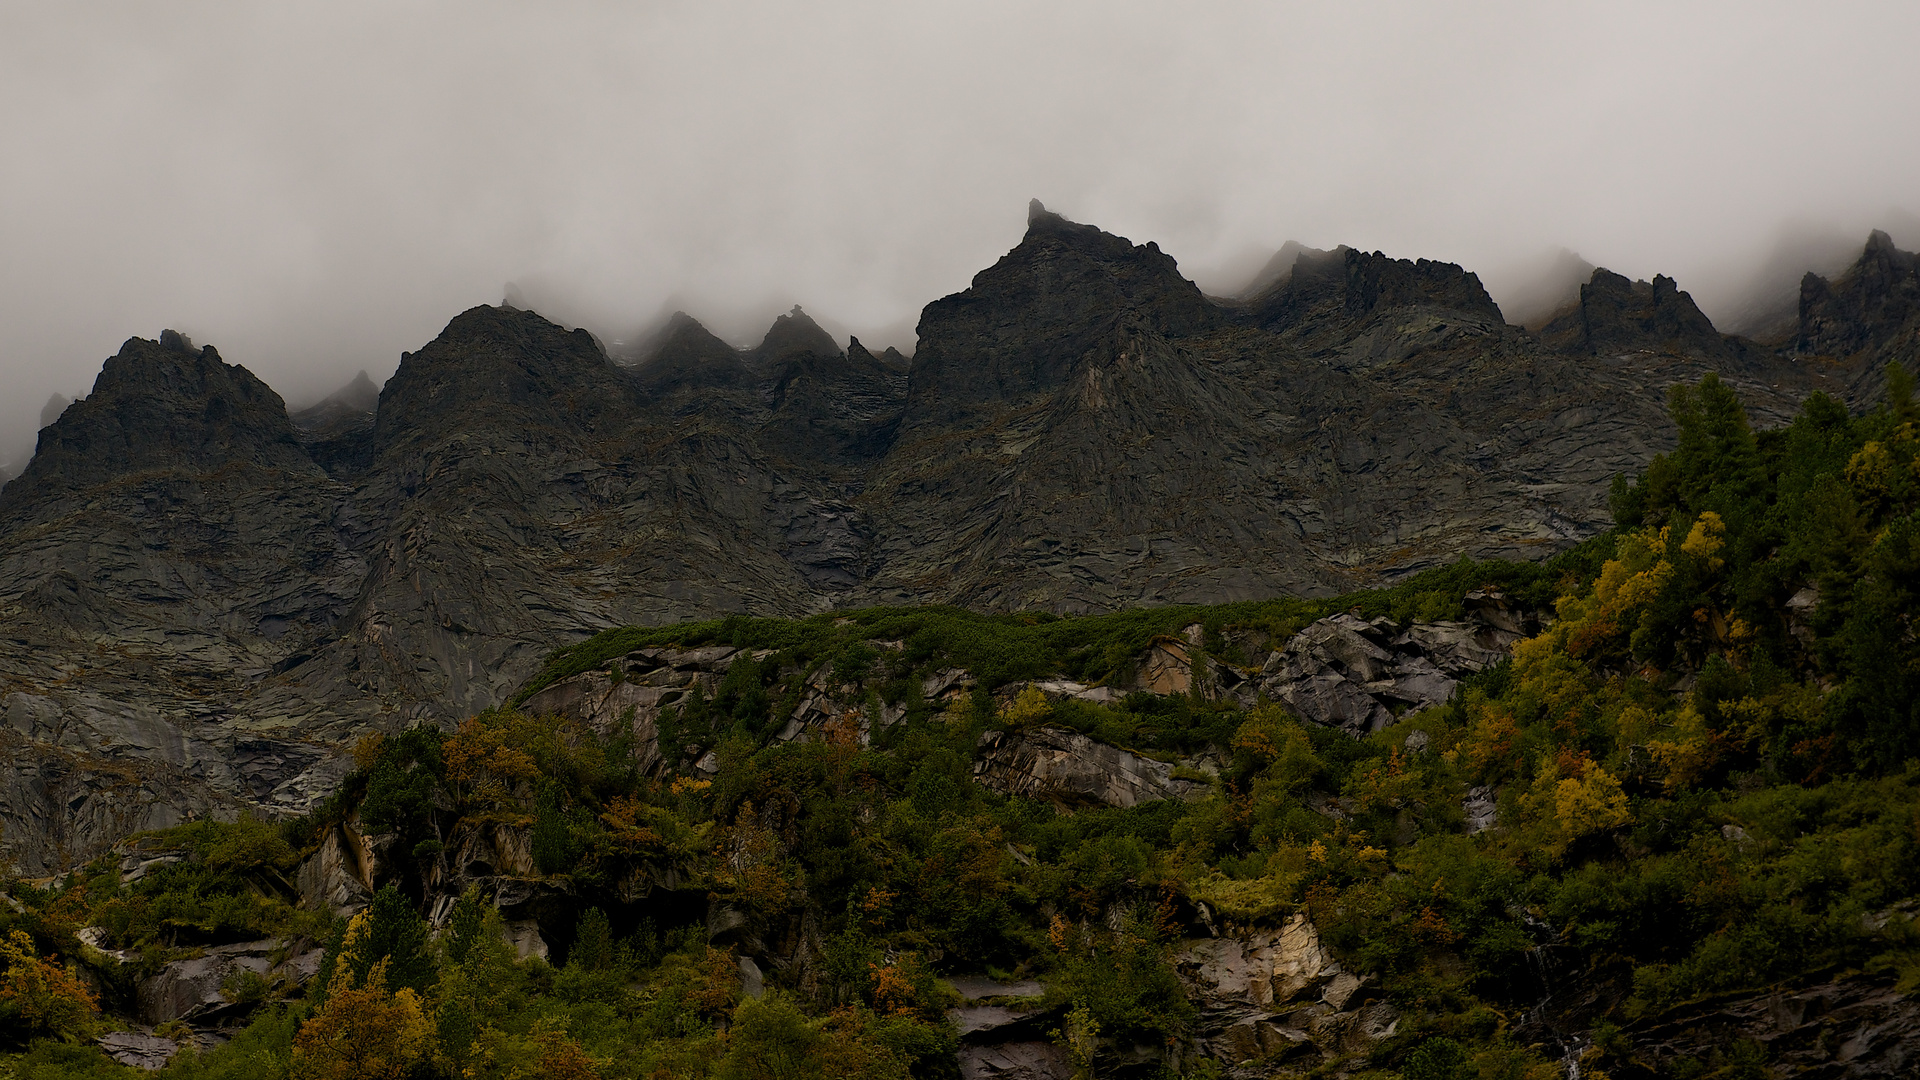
(1005, 1034)
(200, 990)
(138, 1049)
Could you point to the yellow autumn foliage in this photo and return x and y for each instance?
(1030, 706)
(1588, 804)
(364, 1033)
(1707, 536)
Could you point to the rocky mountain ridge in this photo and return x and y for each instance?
(206, 598)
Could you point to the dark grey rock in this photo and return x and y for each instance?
(1067, 767)
(138, 1049)
(1360, 676)
(1031, 1059)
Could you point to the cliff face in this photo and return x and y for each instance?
(1853, 326)
(1617, 315)
(207, 598)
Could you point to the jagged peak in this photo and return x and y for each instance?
(793, 334)
(161, 405)
(1620, 314)
(1360, 282)
(1867, 304)
(890, 359)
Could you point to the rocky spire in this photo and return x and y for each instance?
(1865, 306)
(164, 405)
(793, 334)
(1028, 318)
(1617, 315)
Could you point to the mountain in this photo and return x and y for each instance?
(208, 598)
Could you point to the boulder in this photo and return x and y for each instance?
(1069, 768)
(192, 989)
(1360, 675)
(137, 1049)
(1264, 968)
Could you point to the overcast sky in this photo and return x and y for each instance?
(315, 187)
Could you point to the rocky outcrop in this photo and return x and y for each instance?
(340, 874)
(1360, 675)
(1868, 305)
(1070, 768)
(1853, 326)
(207, 987)
(1861, 1029)
(1617, 315)
(1278, 995)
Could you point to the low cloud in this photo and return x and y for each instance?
(315, 190)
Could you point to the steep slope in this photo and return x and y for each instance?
(1083, 430)
(530, 493)
(166, 548)
(1853, 326)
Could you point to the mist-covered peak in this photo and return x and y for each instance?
(360, 394)
(793, 334)
(684, 354)
(1277, 269)
(1347, 283)
(163, 405)
(1028, 318)
(1617, 314)
(1870, 303)
(1545, 288)
(56, 404)
(497, 365)
(354, 403)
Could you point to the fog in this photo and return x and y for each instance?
(315, 188)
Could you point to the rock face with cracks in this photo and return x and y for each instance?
(1070, 768)
(1278, 996)
(1360, 676)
